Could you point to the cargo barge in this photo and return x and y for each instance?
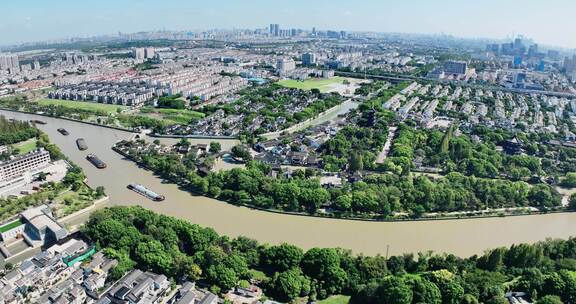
(81, 143)
(63, 131)
(38, 122)
(146, 192)
(96, 161)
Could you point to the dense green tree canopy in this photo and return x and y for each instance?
(140, 238)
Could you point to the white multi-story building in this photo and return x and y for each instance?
(124, 93)
(149, 53)
(9, 61)
(284, 65)
(22, 164)
(139, 54)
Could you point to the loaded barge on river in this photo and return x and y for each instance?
(39, 122)
(96, 161)
(81, 143)
(146, 192)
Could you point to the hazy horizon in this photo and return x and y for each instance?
(546, 23)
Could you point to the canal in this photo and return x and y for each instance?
(461, 237)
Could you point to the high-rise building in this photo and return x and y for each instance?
(518, 43)
(570, 64)
(9, 61)
(553, 54)
(517, 61)
(285, 65)
(275, 29)
(519, 80)
(493, 48)
(507, 48)
(533, 50)
(15, 62)
(541, 66)
(333, 34)
(308, 59)
(139, 54)
(455, 67)
(149, 53)
(4, 62)
(519, 47)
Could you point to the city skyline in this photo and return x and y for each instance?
(266, 152)
(37, 21)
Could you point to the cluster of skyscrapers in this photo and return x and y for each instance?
(73, 58)
(9, 62)
(276, 31)
(143, 53)
(518, 48)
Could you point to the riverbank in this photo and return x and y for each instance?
(71, 119)
(459, 237)
(461, 215)
(193, 136)
(69, 219)
(341, 108)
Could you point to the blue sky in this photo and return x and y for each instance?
(548, 22)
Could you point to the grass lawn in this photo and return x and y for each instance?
(181, 112)
(172, 116)
(70, 201)
(65, 200)
(26, 146)
(335, 300)
(86, 105)
(309, 84)
(11, 225)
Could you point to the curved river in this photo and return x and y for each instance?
(461, 237)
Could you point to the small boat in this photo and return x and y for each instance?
(63, 131)
(96, 161)
(146, 192)
(38, 122)
(81, 143)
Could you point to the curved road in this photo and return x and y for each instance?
(461, 237)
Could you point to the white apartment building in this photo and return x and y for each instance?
(285, 65)
(139, 54)
(19, 165)
(149, 53)
(9, 61)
